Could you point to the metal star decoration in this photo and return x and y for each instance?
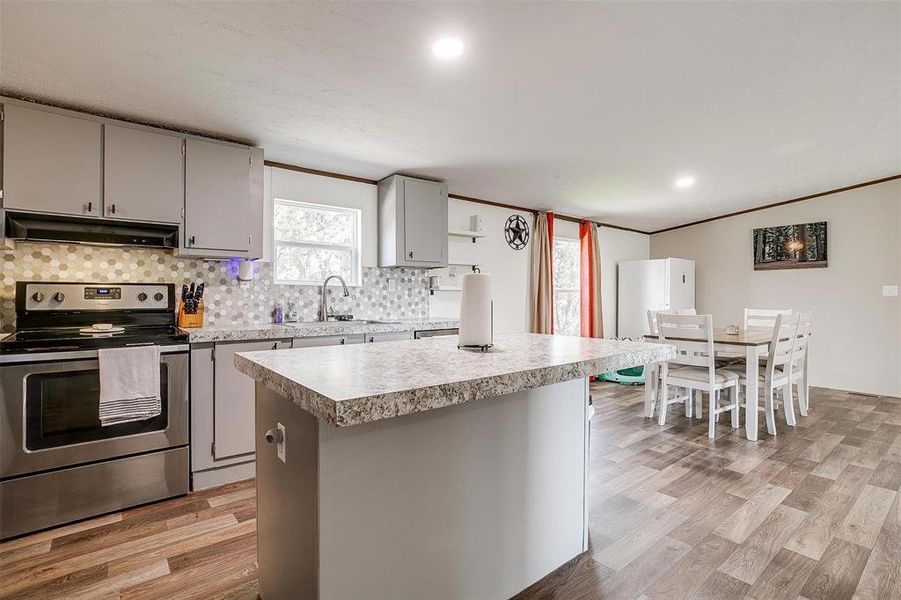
(516, 232)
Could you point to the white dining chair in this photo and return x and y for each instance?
(763, 317)
(652, 316)
(799, 361)
(652, 329)
(777, 374)
(694, 367)
(755, 317)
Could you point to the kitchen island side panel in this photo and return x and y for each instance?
(472, 501)
(287, 516)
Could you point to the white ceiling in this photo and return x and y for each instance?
(592, 109)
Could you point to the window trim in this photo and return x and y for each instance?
(356, 258)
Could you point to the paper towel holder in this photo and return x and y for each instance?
(481, 347)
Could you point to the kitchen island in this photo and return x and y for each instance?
(414, 469)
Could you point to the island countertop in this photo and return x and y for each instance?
(355, 384)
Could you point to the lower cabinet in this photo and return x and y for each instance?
(389, 337)
(222, 413)
(222, 404)
(327, 340)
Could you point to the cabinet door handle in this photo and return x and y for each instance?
(410, 254)
(191, 241)
(341, 341)
(90, 206)
(112, 209)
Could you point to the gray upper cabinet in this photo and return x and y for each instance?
(51, 162)
(219, 204)
(143, 175)
(412, 222)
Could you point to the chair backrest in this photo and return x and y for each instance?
(783, 342)
(694, 346)
(652, 316)
(802, 340)
(763, 317)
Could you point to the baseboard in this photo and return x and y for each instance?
(202, 480)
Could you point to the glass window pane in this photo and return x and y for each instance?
(296, 223)
(313, 265)
(567, 319)
(566, 264)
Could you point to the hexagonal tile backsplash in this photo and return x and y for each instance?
(228, 301)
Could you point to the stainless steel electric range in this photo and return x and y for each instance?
(57, 462)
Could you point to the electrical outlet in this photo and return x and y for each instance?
(890, 290)
(392, 285)
(280, 448)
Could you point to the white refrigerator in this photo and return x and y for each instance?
(651, 285)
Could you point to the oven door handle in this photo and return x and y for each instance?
(8, 359)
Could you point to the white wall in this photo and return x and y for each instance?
(617, 245)
(304, 187)
(510, 268)
(856, 343)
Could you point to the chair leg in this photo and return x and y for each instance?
(803, 398)
(733, 392)
(699, 400)
(712, 416)
(768, 409)
(688, 399)
(664, 400)
(788, 404)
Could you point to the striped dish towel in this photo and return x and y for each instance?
(129, 384)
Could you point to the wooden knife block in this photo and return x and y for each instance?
(186, 320)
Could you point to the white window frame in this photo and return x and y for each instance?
(356, 259)
(556, 288)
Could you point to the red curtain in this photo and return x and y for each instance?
(550, 243)
(590, 281)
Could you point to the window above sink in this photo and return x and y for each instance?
(313, 241)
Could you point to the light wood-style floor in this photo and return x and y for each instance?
(814, 513)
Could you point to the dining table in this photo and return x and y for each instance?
(753, 343)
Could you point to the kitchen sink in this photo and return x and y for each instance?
(347, 322)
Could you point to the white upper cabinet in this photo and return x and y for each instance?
(51, 162)
(412, 222)
(220, 208)
(143, 175)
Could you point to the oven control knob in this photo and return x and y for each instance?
(142, 296)
(158, 296)
(38, 296)
(58, 297)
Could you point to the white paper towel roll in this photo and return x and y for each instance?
(476, 327)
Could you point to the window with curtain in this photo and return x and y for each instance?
(313, 241)
(566, 286)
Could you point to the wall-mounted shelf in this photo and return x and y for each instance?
(452, 275)
(467, 234)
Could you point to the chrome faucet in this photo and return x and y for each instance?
(323, 304)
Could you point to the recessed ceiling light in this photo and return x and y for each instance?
(448, 47)
(684, 182)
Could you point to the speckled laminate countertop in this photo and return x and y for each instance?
(350, 385)
(266, 331)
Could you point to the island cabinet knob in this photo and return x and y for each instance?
(273, 436)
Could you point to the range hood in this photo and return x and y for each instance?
(52, 228)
